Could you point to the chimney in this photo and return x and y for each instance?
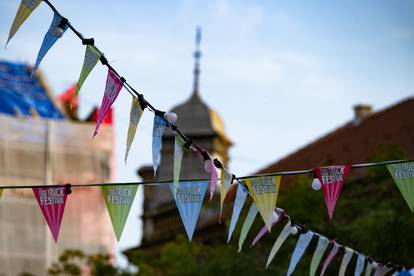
(362, 111)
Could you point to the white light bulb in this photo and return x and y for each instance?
(275, 217)
(293, 230)
(171, 117)
(316, 184)
(58, 31)
(374, 264)
(207, 166)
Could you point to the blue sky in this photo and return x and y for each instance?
(280, 73)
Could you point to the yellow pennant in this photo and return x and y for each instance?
(1, 192)
(264, 191)
(25, 9)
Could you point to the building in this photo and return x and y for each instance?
(367, 134)
(204, 127)
(40, 145)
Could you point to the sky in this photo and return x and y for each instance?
(280, 73)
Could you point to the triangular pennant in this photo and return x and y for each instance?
(56, 30)
(134, 117)
(318, 254)
(332, 179)
(112, 88)
(52, 201)
(359, 265)
(264, 191)
(248, 222)
(118, 200)
(92, 56)
(330, 257)
(279, 241)
(381, 270)
(157, 132)
(1, 192)
(237, 207)
(189, 198)
(345, 261)
(368, 269)
(226, 181)
(403, 175)
(300, 248)
(178, 157)
(211, 168)
(25, 9)
(275, 219)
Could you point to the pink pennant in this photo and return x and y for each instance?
(330, 257)
(332, 179)
(52, 201)
(279, 216)
(112, 89)
(213, 178)
(210, 168)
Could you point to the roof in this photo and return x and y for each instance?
(195, 118)
(25, 96)
(355, 143)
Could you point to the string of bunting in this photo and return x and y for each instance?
(190, 194)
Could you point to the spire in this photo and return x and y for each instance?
(197, 56)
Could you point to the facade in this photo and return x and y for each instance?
(40, 145)
(203, 126)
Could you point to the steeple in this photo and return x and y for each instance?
(197, 56)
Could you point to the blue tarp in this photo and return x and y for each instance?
(20, 93)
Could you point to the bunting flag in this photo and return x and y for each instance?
(359, 265)
(345, 261)
(264, 191)
(368, 269)
(403, 175)
(381, 270)
(248, 222)
(52, 201)
(300, 248)
(264, 230)
(226, 181)
(57, 29)
(318, 254)
(189, 198)
(178, 156)
(1, 192)
(279, 241)
(213, 176)
(112, 89)
(157, 132)
(25, 9)
(332, 179)
(118, 200)
(237, 207)
(330, 257)
(134, 117)
(92, 56)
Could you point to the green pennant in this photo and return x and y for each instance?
(403, 174)
(1, 192)
(92, 56)
(118, 200)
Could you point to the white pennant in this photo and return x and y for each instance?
(280, 240)
(345, 261)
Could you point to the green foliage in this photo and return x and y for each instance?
(74, 262)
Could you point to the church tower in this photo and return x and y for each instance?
(205, 128)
